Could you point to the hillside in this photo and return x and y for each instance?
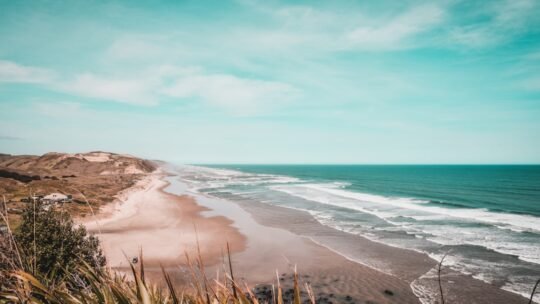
(94, 177)
(63, 164)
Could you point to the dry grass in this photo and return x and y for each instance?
(107, 286)
(90, 284)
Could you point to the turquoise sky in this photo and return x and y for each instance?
(273, 82)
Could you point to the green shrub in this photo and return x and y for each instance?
(51, 246)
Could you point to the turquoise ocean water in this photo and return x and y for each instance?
(487, 217)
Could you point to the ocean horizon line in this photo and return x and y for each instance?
(360, 164)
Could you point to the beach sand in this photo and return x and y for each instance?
(157, 216)
(164, 226)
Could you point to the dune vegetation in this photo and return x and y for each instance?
(50, 260)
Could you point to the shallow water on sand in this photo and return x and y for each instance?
(487, 218)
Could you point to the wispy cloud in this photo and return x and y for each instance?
(353, 29)
(10, 138)
(126, 90)
(17, 73)
(393, 34)
(500, 21)
(446, 23)
(137, 91)
(235, 94)
(239, 95)
(150, 86)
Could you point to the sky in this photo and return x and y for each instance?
(366, 82)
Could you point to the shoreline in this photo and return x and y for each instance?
(275, 251)
(265, 239)
(417, 269)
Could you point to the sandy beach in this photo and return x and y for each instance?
(164, 226)
(159, 215)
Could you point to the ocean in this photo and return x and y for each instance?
(485, 217)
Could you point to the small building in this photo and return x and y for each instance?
(56, 198)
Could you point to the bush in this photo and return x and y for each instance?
(51, 246)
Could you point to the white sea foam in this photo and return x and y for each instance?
(425, 294)
(444, 232)
(521, 285)
(523, 222)
(206, 177)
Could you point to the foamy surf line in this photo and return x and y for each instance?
(388, 209)
(414, 208)
(520, 222)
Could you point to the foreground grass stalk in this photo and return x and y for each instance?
(231, 271)
(534, 291)
(439, 277)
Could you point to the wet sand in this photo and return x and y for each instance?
(416, 269)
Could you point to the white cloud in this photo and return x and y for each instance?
(239, 95)
(513, 13)
(507, 19)
(235, 94)
(121, 89)
(310, 28)
(473, 36)
(16, 73)
(148, 87)
(394, 33)
(336, 29)
(126, 90)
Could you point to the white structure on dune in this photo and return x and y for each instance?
(56, 198)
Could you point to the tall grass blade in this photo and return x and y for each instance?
(170, 285)
(534, 291)
(231, 270)
(439, 278)
(141, 265)
(297, 299)
(279, 291)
